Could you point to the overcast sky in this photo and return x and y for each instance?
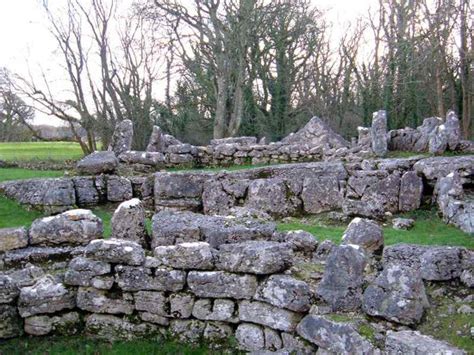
(26, 42)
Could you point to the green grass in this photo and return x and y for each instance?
(80, 345)
(19, 174)
(429, 229)
(40, 151)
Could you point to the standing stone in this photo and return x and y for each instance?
(74, 227)
(411, 191)
(453, 130)
(156, 143)
(438, 140)
(397, 294)
(365, 233)
(13, 238)
(378, 133)
(128, 222)
(122, 137)
(341, 286)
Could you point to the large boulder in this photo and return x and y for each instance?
(412, 342)
(98, 163)
(378, 133)
(365, 233)
(397, 294)
(341, 286)
(13, 238)
(334, 337)
(45, 296)
(438, 167)
(128, 222)
(255, 257)
(122, 137)
(74, 227)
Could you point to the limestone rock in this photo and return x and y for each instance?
(339, 338)
(321, 194)
(119, 189)
(284, 291)
(131, 278)
(256, 257)
(378, 133)
(81, 271)
(403, 223)
(250, 337)
(412, 342)
(74, 227)
(153, 159)
(268, 315)
(438, 140)
(8, 289)
(217, 310)
(116, 251)
(65, 324)
(411, 191)
(437, 167)
(151, 302)
(122, 137)
(197, 256)
(87, 193)
(45, 296)
(342, 281)
(189, 331)
(13, 238)
(300, 241)
(397, 294)
(128, 222)
(109, 328)
(365, 233)
(96, 301)
(156, 142)
(220, 284)
(100, 162)
(181, 305)
(10, 322)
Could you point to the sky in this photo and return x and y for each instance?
(27, 46)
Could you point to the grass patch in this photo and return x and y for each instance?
(429, 229)
(80, 345)
(220, 168)
(20, 174)
(40, 151)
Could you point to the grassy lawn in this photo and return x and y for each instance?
(429, 229)
(19, 174)
(40, 151)
(79, 345)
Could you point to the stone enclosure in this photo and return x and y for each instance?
(213, 266)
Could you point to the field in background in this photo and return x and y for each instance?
(40, 151)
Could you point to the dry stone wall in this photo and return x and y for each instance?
(209, 278)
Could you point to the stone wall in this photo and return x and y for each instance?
(205, 278)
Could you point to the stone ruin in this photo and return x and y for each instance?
(214, 267)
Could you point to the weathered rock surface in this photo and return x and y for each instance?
(397, 294)
(156, 142)
(100, 162)
(13, 238)
(220, 284)
(8, 289)
(284, 291)
(300, 241)
(50, 195)
(97, 301)
(403, 223)
(87, 191)
(153, 159)
(45, 296)
(339, 338)
(108, 327)
(10, 322)
(196, 255)
(116, 251)
(365, 233)
(217, 309)
(131, 278)
(250, 337)
(321, 194)
(122, 137)
(438, 140)
(341, 286)
(74, 227)
(412, 342)
(256, 257)
(268, 315)
(119, 189)
(378, 133)
(81, 271)
(128, 222)
(65, 324)
(437, 167)
(411, 191)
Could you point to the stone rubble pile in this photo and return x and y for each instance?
(199, 277)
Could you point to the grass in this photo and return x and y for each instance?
(40, 151)
(429, 229)
(73, 345)
(20, 174)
